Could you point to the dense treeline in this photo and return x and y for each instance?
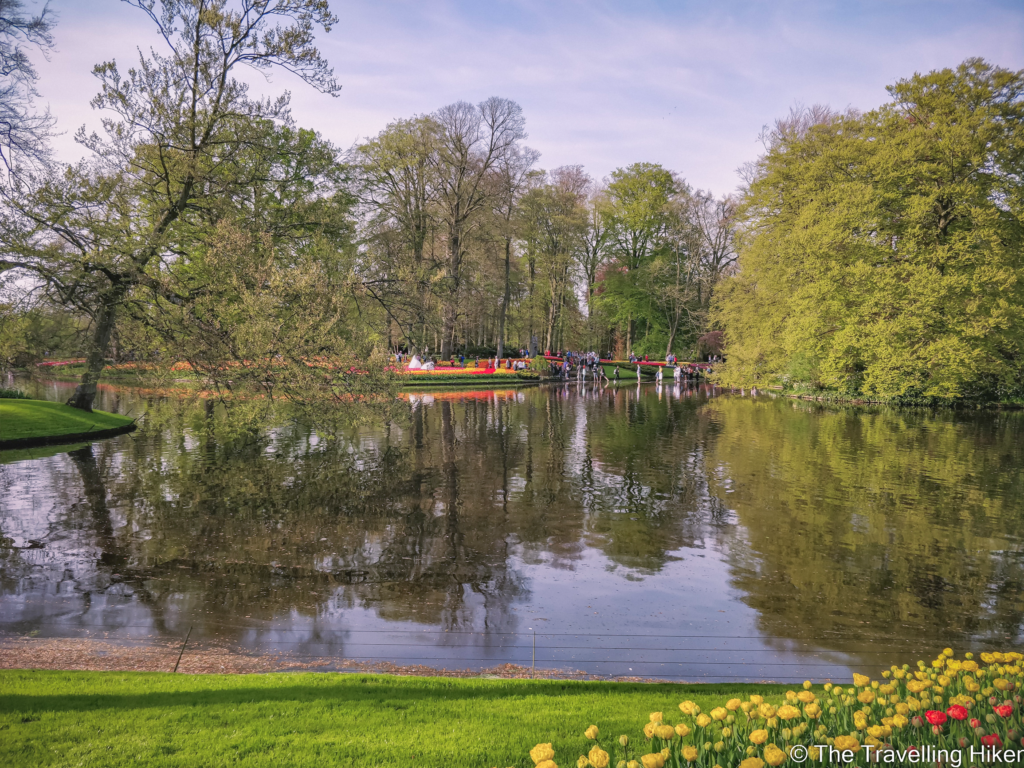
(874, 253)
(883, 253)
(467, 245)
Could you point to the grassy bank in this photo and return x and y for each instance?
(153, 719)
(24, 419)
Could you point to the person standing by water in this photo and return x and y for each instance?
(638, 374)
(615, 374)
(659, 376)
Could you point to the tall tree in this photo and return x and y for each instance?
(512, 173)
(637, 218)
(555, 223)
(471, 140)
(397, 189)
(180, 123)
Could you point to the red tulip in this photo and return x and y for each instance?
(957, 712)
(1004, 710)
(935, 717)
(975, 722)
(992, 741)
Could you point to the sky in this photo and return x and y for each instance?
(602, 84)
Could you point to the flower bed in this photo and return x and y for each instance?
(934, 714)
(449, 371)
(474, 375)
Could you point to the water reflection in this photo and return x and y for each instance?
(640, 530)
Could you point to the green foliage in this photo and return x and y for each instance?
(121, 719)
(883, 254)
(12, 394)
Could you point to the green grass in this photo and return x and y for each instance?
(37, 418)
(308, 719)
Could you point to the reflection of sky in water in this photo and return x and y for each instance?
(596, 519)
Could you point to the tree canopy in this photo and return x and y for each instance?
(881, 252)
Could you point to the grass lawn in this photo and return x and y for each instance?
(38, 418)
(317, 719)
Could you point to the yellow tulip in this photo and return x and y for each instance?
(591, 733)
(542, 752)
(689, 754)
(687, 708)
(598, 757)
(947, 652)
(703, 721)
(866, 697)
(767, 711)
(752, 762)
(657, 717)
(719, 713)
(806, 697)
(682, 729)
(786, 712)
(773, 755)
(756, 700)
(547, 764)
(861, 680)
(733, 704)
(807, 685)
(651, 761)
(844, 743)
(649, 730)
(759, 736)
(812, 710)
(583, 762)
(664, 731)
(623, 740)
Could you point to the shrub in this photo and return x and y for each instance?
(12, 394)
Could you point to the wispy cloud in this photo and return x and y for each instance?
(603, 84)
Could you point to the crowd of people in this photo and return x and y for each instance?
(415, 362)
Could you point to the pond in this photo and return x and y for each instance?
(671, 533)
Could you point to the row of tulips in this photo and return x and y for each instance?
(935, 713)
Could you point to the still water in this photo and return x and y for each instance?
(637, 531)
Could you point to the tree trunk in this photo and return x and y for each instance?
(451, 309)
(85, 393)
(505, 298)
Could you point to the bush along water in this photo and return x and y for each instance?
(12, 394)
(952, 712)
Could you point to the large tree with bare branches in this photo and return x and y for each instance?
(178, 130)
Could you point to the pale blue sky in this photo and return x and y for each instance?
(603, 84)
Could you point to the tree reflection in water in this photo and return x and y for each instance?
(565, 509)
